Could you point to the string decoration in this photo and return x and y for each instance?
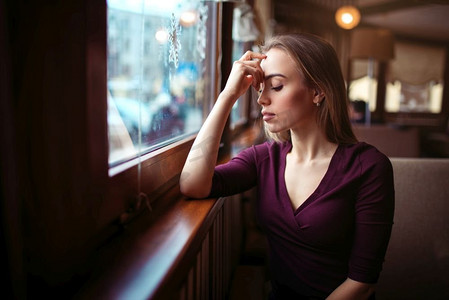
(202, 31)
(174, 38)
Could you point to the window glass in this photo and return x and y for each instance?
(362, 87)
(403, 97)
(245, 32)
(159, 72)
(238, 113)
(418, 86)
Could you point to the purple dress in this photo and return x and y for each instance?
(342, 230)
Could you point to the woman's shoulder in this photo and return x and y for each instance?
(364, 154)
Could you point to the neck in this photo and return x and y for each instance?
(311, 144)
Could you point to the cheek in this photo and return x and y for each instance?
(298, 100)
(299, 90)
(298, 106)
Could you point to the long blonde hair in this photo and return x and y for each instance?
(318, 62)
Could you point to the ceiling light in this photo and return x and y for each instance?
(161, 36)
(188, 18)
(347, 17)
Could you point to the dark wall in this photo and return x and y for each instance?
(54, 140)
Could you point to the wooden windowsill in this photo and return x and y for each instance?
(136, 264)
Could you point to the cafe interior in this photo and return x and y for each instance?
(101, 102)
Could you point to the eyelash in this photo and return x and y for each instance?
(276, 88)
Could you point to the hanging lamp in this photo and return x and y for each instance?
(347, 17)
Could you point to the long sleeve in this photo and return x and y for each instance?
(374, 209)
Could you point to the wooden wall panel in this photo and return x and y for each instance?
(210, 273)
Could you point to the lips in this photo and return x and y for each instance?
(267, 116)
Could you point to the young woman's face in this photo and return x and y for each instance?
(287, 103)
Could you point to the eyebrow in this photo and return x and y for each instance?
(274, 75)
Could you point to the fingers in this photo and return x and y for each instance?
(250, 55)
(252, 72)
(252, 62)
(245, 72)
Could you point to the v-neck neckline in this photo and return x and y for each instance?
(318, 189)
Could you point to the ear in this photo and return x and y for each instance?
(318, 96)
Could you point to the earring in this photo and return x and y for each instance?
(318, 104)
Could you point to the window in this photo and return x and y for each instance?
(160, 73)
(403, 97)
(362, 87)
(239, 110)
(244, 33)
(418, 86)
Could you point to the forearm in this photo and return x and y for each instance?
(352, 290)
(196, 176)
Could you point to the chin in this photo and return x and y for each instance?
(274, 129)
(281, 133)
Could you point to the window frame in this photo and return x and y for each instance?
(68, 209)
(160, 169)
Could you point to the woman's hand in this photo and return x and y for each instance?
(351, 289)
(196, 176)
(245, 72)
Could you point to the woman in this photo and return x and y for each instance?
(325, 200)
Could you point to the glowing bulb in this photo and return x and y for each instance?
(188, 18)
(347, 17)
(161, 36)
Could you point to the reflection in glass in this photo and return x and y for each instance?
(158, 73)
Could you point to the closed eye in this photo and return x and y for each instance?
(277, 88)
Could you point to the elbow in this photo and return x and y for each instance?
(366, 291)
(371, 290)
(193, 193)
(193, 190)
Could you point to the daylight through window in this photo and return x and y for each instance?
(415, 87)
(159, 73)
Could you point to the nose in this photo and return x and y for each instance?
(263, 99)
